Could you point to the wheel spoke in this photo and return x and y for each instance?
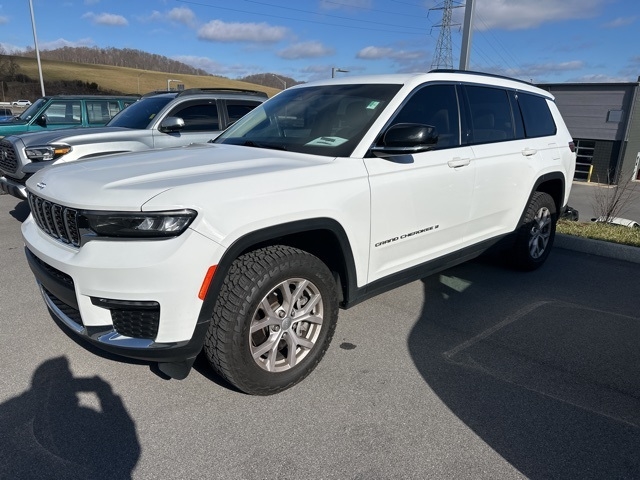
(304, 314)
(270, 319)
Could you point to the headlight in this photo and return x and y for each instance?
(145, 225)
(47, 152)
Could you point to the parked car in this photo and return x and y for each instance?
(323, 196)
(21, 103)
(66, 111)
(6, 114)
(158, 120)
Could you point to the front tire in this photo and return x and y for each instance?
(273, 321)
(536, 234)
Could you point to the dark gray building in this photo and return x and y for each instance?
(604, 120)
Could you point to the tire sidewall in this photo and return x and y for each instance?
(296, 266)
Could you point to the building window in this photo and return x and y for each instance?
(614, 116)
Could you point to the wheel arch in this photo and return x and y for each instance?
(324, 238)
(554, 185)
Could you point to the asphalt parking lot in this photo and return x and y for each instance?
(479, 372)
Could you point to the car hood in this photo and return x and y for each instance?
(68, 135)
(127, 181)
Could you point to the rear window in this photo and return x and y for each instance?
(538, 121)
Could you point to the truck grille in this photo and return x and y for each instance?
(55, 220)
(8, 158)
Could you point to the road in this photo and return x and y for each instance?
(480, 372)
(585, 197)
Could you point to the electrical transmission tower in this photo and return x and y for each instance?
(443, 57)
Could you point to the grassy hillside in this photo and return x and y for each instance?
(125, 80)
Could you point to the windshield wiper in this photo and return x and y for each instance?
(271, 146)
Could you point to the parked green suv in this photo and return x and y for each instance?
(66, 111)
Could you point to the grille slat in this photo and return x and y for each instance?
(55, 220)
(8, 158)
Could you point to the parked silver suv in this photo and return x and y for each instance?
(157, 120)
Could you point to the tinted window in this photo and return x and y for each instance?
(64, 112)
(435, 105)
(236, 109)
(99, 112)
(198, 118)
(538, 121)
(490, 112)
(141, 113)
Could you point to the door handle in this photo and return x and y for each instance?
(529, 152)
(459, 162)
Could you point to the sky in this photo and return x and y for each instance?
(542, 41)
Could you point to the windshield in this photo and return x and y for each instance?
(327, 120)
(140, 114)
(32, 110)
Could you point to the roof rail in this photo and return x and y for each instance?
(484, 74)
(191, 91)
(157, 92)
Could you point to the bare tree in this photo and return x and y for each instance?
(612, 201)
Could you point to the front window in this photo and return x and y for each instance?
(32, 110)
(140, 114)
(327, 120)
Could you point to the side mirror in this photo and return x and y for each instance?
(171, 124)
(42, 121)
(405, 139)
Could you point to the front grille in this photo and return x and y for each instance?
(8, 157)
(67, 310)
(56, 220)
(136, 323)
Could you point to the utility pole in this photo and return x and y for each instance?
(35, 41)
(442, 57)
(467, 33)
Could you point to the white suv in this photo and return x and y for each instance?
(325, 195)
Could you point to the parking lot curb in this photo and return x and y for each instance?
(598, 247)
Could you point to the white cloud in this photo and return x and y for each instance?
(600, 78)
(61, 42)
(219, 31)
(525, 14)
(374, 53)
(620, 22)
(305, 50)
(400, 56)
(183, 15)
(109, 19)
(10, 49)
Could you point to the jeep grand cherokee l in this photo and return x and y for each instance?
(326, 194)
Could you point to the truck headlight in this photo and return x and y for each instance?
(46, 152)
(137, 224)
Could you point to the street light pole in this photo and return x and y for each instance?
(335, 70)
(284, 84)
(35, 41)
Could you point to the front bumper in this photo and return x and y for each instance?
(87, 289)
(13, 188)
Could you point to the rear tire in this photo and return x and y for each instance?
(273, 320)
(536, 233)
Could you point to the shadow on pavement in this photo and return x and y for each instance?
(21, 211)
(544, 367)
(66, 427)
